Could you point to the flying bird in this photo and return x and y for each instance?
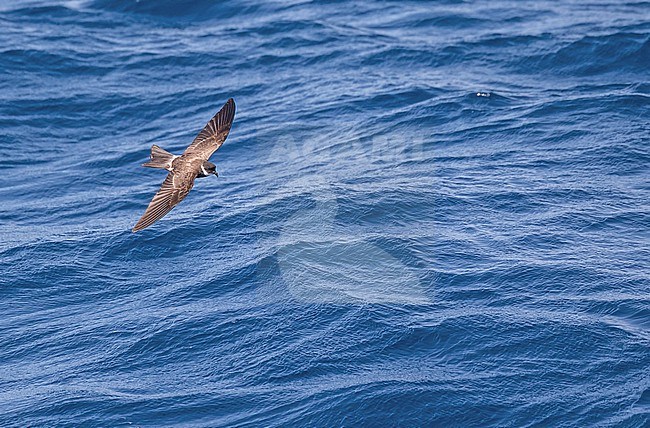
(184, 169)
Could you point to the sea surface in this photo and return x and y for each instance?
(427, 214)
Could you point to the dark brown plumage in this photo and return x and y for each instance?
(184, 169)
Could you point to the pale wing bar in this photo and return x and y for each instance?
(167, 198)
(214, 133)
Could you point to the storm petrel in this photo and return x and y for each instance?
(185, 168)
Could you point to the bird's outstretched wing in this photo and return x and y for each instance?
(214, 133)
(173, 190)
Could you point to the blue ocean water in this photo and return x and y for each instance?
(427, 214)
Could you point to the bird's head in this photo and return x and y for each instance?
(208, 168)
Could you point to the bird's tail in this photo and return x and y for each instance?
(160, 158)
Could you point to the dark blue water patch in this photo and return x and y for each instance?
(178, 10)
(36, 11)
(453, 21)
(617, 53)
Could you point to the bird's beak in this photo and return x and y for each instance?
(216, 173)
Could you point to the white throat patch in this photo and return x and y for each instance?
(204, 171)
